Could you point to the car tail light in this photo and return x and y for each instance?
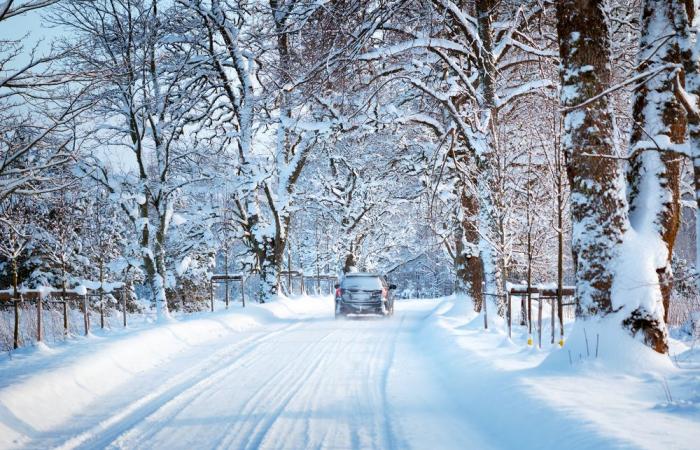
(339, 292)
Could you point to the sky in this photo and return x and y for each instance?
(34, 29)
(30, 27)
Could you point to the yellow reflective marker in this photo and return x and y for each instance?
(561, 342)
(529, 341)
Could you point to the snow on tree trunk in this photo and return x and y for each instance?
(598, 207)
(690, 53)
(616, 260)
(485, 149)
(655, 167)
(270, 278)
(484, 143)
(161, 273)
(469, 268)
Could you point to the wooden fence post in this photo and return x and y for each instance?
(65, 316)
(539, 320)
(227, 289)
(39, 308)
(226, 274)
(510, 316)
(560, 312)
(211, 294)
(529, 311)
(289, 269)
(243, 290)
(124, 293)
(102, 312)
(86, 314)
(102, 295)
(16, 331)
(483, 305)
(65, 311)
(551, 304)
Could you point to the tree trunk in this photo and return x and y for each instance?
(690, 54)
(64, 298)
(655, 167)
(560, 258)
(158, 284)
(598, 208)
(102, 295)
(15, 296)
(469, 267)
(350, 261)
(485, 155)
(271, 261)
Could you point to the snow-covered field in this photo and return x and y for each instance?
(286, 375)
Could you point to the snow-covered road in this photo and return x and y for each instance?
(306, 381)
(317, 383)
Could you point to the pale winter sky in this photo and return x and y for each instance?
(32, 25)
(32, 28)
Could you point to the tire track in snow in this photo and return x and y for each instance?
(141, 435)
(389, 433)
(366, 424)
(310, 381)
(322, 384)
(371, 389)
(109, 429)
(285, 383)
(167, 412)
(310, 404)
(262, 435)
(317, 384)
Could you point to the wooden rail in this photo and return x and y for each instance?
(56, 296)
(223, 278)
(540, 294)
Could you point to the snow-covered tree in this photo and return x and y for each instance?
(148, 88)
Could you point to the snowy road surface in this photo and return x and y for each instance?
(308, 381)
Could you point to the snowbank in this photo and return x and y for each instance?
(604, 344)
(627, 397)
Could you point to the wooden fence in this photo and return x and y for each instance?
(40, 298)
(303, 282)
(559, 302)
(226, 279)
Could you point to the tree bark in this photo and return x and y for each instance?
(655, 167)
(598, 207)
(485, 154)
(15, 296)
(690, 54)
(350, 261)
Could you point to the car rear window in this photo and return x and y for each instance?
(362, 283)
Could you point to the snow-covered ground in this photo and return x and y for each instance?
(286, 375)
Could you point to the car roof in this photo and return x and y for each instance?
(362, 274)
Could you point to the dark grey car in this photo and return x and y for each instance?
(364, 293)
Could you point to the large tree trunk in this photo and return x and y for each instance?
(478, 135)
(655, 167)
(690, 53)
(161, 270)
(270, 275)
(350, 261)
(468, 264)
(485, 155)
(598, 207)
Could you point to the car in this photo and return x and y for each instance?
(364, 293)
